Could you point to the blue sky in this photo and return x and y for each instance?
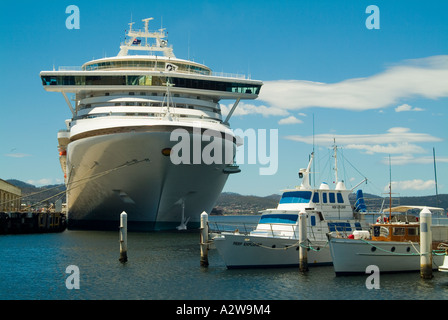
(379, 93)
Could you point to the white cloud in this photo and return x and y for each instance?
(406, 107)
(396, 140)
(426, 77)
(40, 182)
(17, 155)
(244, 109)
(416, 184)
(289, 120)
(399, 142)
(410, 159)
(389, 148)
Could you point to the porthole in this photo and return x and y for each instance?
(373, 249)
(408, 249)
(273, 246)
(392, 249)
(166, 152)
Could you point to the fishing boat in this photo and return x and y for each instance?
(392, 244)
(275, 240)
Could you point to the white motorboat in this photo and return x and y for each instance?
(275, 240)
(391, 245)
(444, 267)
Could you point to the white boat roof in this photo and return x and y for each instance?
(407, 208)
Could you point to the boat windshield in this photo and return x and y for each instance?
(296, 197)
(279, 218)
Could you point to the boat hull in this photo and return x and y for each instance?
(352, 256)
(245, 251)
(127, 171)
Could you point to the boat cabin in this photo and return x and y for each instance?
(402, 232)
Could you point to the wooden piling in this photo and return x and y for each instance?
(123, 237)
(204, 239)
(425, 244)
(303, 256)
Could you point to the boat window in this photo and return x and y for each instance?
(324, 197)
(279, 218)
(339, 226)
(316, 197)
(398, 231)
(413, 231)
(332, 200)
(296, 197)
(340, 199)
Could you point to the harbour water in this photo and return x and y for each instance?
(166, 266)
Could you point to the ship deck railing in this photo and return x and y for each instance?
(192, 72)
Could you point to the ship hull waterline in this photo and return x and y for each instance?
(109, 174)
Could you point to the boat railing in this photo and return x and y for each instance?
(439, 221)
(276, 230)
(70, 68)
(240, 227)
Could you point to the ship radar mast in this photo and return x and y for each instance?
(135, 43)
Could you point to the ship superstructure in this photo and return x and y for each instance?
(117, 149)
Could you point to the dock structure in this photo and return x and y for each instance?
(32, 222)
(10, 196)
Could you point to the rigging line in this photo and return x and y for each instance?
(98, 175)
(55, 195)
(29, 195)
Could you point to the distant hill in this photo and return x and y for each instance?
(39, 196)
(234, 203)
(228, 202)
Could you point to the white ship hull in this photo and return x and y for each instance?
(115, 151)
(108, 174)
(354, 256)
(243, 251)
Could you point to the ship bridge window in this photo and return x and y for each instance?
(279, 218)
(331, 196)
(316, 197)
(296, 197)
(144, 80)
(340, 199)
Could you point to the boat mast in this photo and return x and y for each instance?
(390, 191)
(435, 175)
(335, 162)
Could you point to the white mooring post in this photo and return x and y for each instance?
(303, 256)
(425, 244)
(123, 237)
(204, 239)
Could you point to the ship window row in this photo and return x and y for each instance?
(305, 197)
(146, 114)
(152, 65)
(147, 80)
(149, 104)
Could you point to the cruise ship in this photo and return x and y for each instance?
(137, 120)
